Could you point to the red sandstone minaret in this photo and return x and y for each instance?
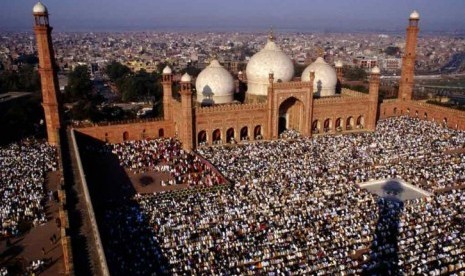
(186, 124)
(48, 72)
(167, 83)
(408, 60)
(373, 98)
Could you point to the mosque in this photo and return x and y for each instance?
(275, 100)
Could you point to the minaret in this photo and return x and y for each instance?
(167, 82)
(373, 99)
(186, 124)
(48, 72)
(408, 60)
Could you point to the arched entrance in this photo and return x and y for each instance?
(125, 136)
(161, 132)
(350, 123)
(257, 133)
(230, 135)
(291, 113)
(327, 125)
(202, 137)
(338, 124)
(244, 133)
(360, 122)
(216, 136)
(316, 126)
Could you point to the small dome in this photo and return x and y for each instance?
(186, 78)
(269, 59)
(39, 8)
(415, 15)
(375, 70)
(338, 64)
(167, 70)
(325, 77)
(214, 85)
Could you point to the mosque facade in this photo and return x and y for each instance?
(275, 99)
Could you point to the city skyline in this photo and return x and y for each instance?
(240, 15)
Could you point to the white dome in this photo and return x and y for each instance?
(415, 15)
(186, 78)
(39, 8)
(269, 59)
(214, 85)
(325, 77)
(167, 70)
(375, 70)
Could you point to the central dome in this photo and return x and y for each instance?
(269, 60)
(325, 77)
(214, 85)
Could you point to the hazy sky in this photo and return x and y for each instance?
(240, 15)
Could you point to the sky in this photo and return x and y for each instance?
(237, 15)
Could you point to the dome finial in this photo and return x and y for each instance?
(320, 52)
(271, 36)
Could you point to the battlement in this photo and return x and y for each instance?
(338, 100)
(122, 122)
(230, 107)
(291, 84)
(438, 107)
(352, 93)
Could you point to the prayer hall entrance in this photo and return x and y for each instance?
(291, 113)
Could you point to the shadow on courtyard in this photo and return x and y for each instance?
(384, 256)
(128, 242)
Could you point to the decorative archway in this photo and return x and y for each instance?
(202, 137)
(257, 132)
(291, 115)
(360, 121)
(230, 135)
(350, 123)
(216, 136)
(416, 113)
(125, 136)
(161, 132)
(244, 133)
(394, 111)
(327, 125)
(338, 124)
(425, 116)
(316, 126)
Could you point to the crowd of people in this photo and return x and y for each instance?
(166, 155)
(294, 207)
(23, 169)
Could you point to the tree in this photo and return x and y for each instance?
(116, 71)
(26, 79)
(79, 84)
(392, 51)
(140, 86)
(354, 73)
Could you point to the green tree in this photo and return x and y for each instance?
(116, 71)
(79, 84)
(392, 51)
(354, 73)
